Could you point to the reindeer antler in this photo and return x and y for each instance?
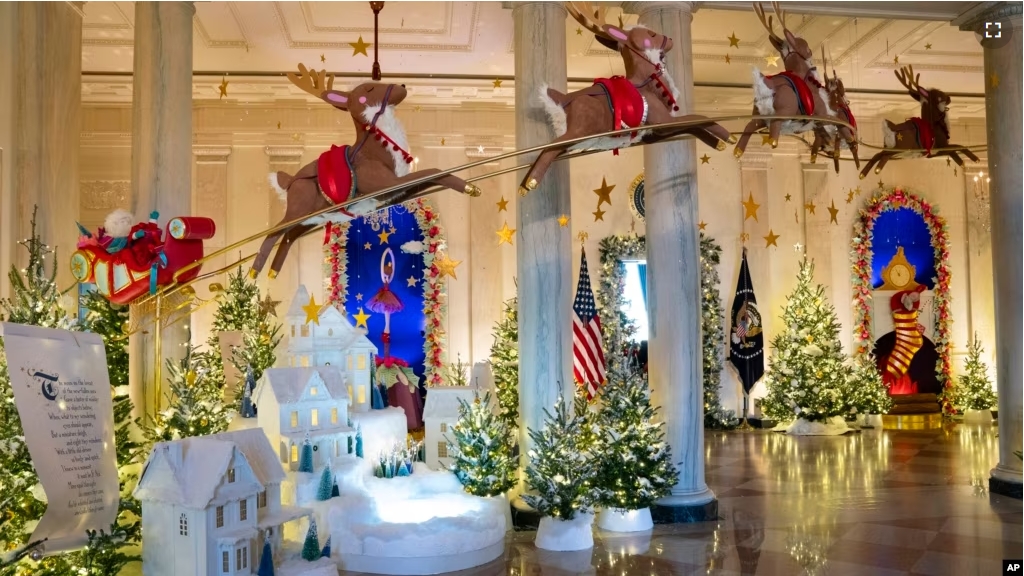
(766, 22)
(780, 13)
(906, 77)
(589, 17)
(824, 66)
(311, 81)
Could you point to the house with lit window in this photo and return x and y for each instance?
(330, 340)
(440, 414)
(304, 402)
(209, 503)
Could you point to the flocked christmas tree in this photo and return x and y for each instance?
(712, 337)
(562, 470)
(480, 445)
(36, 300)
(359, 442)
(195, 405)
(865, 392)
(326, 552)
(323, 492)
(635, 467)
(306, 456)
(973, 390)
(806, 376)
(505, 364)
(311, 546)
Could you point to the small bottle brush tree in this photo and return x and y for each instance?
(865, 391)
(480, 446)
(323, 492)
(311, 546)
(973, 390)
(266, 567)
(562, 472)
(195, 403)
(635, 466)
(306, 456)
(248, 410)
(806, 375)
(505, 364)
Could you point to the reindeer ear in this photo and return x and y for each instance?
(618, 34)
(336, 98)
(922, 92)
(776, 42)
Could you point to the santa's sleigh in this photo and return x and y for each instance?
(122, 276)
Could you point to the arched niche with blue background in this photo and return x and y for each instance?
(902, 227)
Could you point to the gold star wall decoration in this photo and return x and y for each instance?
(323, 58)
(269, 307)
(361, 319)
(788, 197)
(410, 281)
(223, 88)
(896, 59)
(505, 234)
(702, 225)
(496, 83)
(502, 205)
(563, 221)
(446, 266)
(858, 190)
(849, 196)
(599, 215)
(771, 238)
(809, 207)
(744, 237)
(604, 193)
(728, 60)
(705, 159)
(367, 246)
(383, 236)
(766, 139)
(579, 31)
(881, 184)
(993, 80)
(734, 42)
(928, 46)
(771, 60)
(312, 311)
(750, 208)
(279, 125)
(359, 47)
(296, 137)
(442, 141)
(833, 213)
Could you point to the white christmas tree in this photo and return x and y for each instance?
(973, 390)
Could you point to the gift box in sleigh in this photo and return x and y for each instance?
(125, 267)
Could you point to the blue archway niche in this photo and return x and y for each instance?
(902, 227)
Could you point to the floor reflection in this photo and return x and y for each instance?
(881, 502)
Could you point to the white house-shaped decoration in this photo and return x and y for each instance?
(294, 402)
(332, 342)
(209, 502)
(440, 414)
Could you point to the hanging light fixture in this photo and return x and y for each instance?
(981, 199)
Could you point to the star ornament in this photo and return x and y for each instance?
(750, 208)
(359, 47)
(268, 306)
(312, 311)
(809, 207)
(770, 239)
(833, 213)
(728, 60)
(383, 236)
(599, 215)
(446, 266)
(849, 197)
(505, 234)
(496, 83)
(771, 61)
(705, 159)
(563, 220)
(604, 193)
(702, 225)
(361, 319)
(367, 246)
(766, 139)
(502, 205)
(734, 42)
(993, 80)
(788, 197)
(223, 88)
(323, 58)
(410, 281)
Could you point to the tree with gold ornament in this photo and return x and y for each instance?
(195, 405)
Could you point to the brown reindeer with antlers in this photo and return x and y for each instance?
(797, 91)
(918, 137)
(645, 96)
(842, 136)
(378, 159)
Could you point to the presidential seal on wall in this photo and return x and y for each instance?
(636, 197)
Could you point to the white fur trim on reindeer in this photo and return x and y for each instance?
(764, 101)
(281, 192)
(555, 112)
(389, 124)
(118, 224)
(888, 136)
(654, 55)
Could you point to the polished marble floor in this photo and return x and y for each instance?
(878, 503)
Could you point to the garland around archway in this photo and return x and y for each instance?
(894, 199)
(434, 289)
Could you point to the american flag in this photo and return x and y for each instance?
(588, 356)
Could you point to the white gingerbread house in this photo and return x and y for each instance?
(330, 341)
(440, 414)
(298, 402)
(209, 502)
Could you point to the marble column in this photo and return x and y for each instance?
(543, 248)
(1003, 105)
(47, 96)
(161, 161)
(673, 280)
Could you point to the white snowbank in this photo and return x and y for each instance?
(381, 429)
(835, 426)
(566, 535)
(300, 567)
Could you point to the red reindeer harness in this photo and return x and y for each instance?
(925, 135)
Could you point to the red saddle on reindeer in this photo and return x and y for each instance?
(335, 177)
(803, 92)
(127, 267)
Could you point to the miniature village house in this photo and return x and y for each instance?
(299, 403)
(209, 503)
(440, 414)
(330, 340)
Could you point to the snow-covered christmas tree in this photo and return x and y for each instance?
(266, 567)
(635, 466)
(505, 364)
(306, 456)
(195, 406)
(562, 471)
(806, 376)
(323, 492)
(713, 337)
(311, 546)
(480, 445)
(865, 392)
(973, 390)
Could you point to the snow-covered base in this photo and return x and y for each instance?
(616, 520)
(834, 426)
(503, 500)
(977, 416)
(381, 429)
(300, 567)
(566, 535)
(782, 426)
(419, 524)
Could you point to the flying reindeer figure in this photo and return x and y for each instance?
(378, 159)
(842, 137)
(797, 91)
(645, 96)
(917, 137)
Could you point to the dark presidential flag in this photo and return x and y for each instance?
(746, 338)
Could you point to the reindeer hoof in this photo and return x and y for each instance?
(721, 145)
(472, 190)
(775, 143)
(732, 139)
(253, 273)
(860, 176)
(878, 170)
(738, 152)
(272, 274)
(814, 158)
(530, 185)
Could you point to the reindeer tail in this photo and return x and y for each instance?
(552, 100)
(280, 182)
(888, 134)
